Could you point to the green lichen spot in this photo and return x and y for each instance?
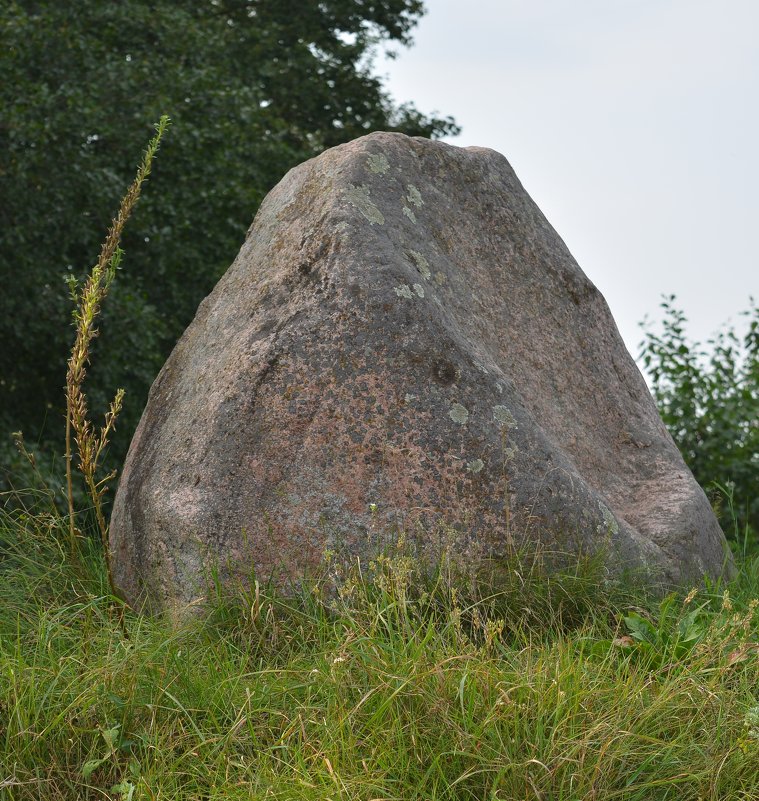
(475, 465)
(421, 263)
(410, 214)
(414, 196)
(404, 291)
(358, 196)
(409, 398)
(440, 278)
(458, 413)
(609, 525)
(419, 289)
(378, 164)
(503, 416)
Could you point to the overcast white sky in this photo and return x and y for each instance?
(634, 125)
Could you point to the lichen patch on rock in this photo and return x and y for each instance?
(503, 416)
(358, 196)
(458, 413)
(378, 163)
(413, 195)
(421, 263)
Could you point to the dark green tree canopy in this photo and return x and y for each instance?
(253, 87)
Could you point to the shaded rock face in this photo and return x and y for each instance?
(403, 342)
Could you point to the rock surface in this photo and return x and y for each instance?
(403, 342)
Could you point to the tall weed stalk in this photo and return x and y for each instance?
(88, 299)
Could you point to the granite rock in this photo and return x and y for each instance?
(402, 343)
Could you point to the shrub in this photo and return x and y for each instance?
(708, 397)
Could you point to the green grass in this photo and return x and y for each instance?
(558, 689)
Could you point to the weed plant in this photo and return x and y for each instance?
(381, 692)
(88, 300)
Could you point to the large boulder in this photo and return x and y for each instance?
(403, 342)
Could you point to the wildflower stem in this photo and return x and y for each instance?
(87, 305)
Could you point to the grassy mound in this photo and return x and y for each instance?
(559, 688)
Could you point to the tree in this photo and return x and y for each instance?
(709, 401)
(253, 87)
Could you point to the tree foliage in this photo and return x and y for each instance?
(253, 87)
(708, 398)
